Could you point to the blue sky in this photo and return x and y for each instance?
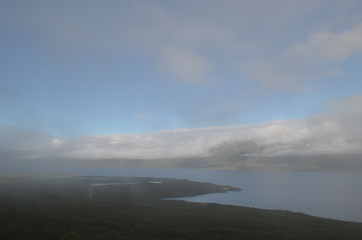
(86, 67)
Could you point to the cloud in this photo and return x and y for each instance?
(327, 46)
(269, 73)
(334, 133)
(226, 30)
(304, 61)
(22, 139)
(351, 104)
(185, 64)
(56, 142)
(19, 144)
(143, 116)
(194, 41)
(334, 72)
(206, 111)
(225, 104)
(258, 145)
(261, 145)
(174, 35)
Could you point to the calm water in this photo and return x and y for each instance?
(335, 195)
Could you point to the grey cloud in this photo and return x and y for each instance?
(13, 138)
(335, 133)
(305, 61)
(18, 147)
(66, 28)
(320, 142)
(326, 46)
(351, 104)
(186, 65)
(270, 73)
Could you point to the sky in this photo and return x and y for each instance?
(151, 79)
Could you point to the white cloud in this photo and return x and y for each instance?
(56, 142)
(326, 46)
(185, 64)
(335, 133)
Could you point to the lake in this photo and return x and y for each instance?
(336, 195)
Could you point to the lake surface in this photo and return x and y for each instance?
(336, 195)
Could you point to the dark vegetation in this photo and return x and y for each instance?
(72, 208)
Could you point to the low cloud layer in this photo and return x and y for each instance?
(257, 145)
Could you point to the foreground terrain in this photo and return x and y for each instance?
(132, 208)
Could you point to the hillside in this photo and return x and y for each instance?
(64, 208)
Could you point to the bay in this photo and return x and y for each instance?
(336, 195)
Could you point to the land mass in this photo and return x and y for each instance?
(90, 207)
